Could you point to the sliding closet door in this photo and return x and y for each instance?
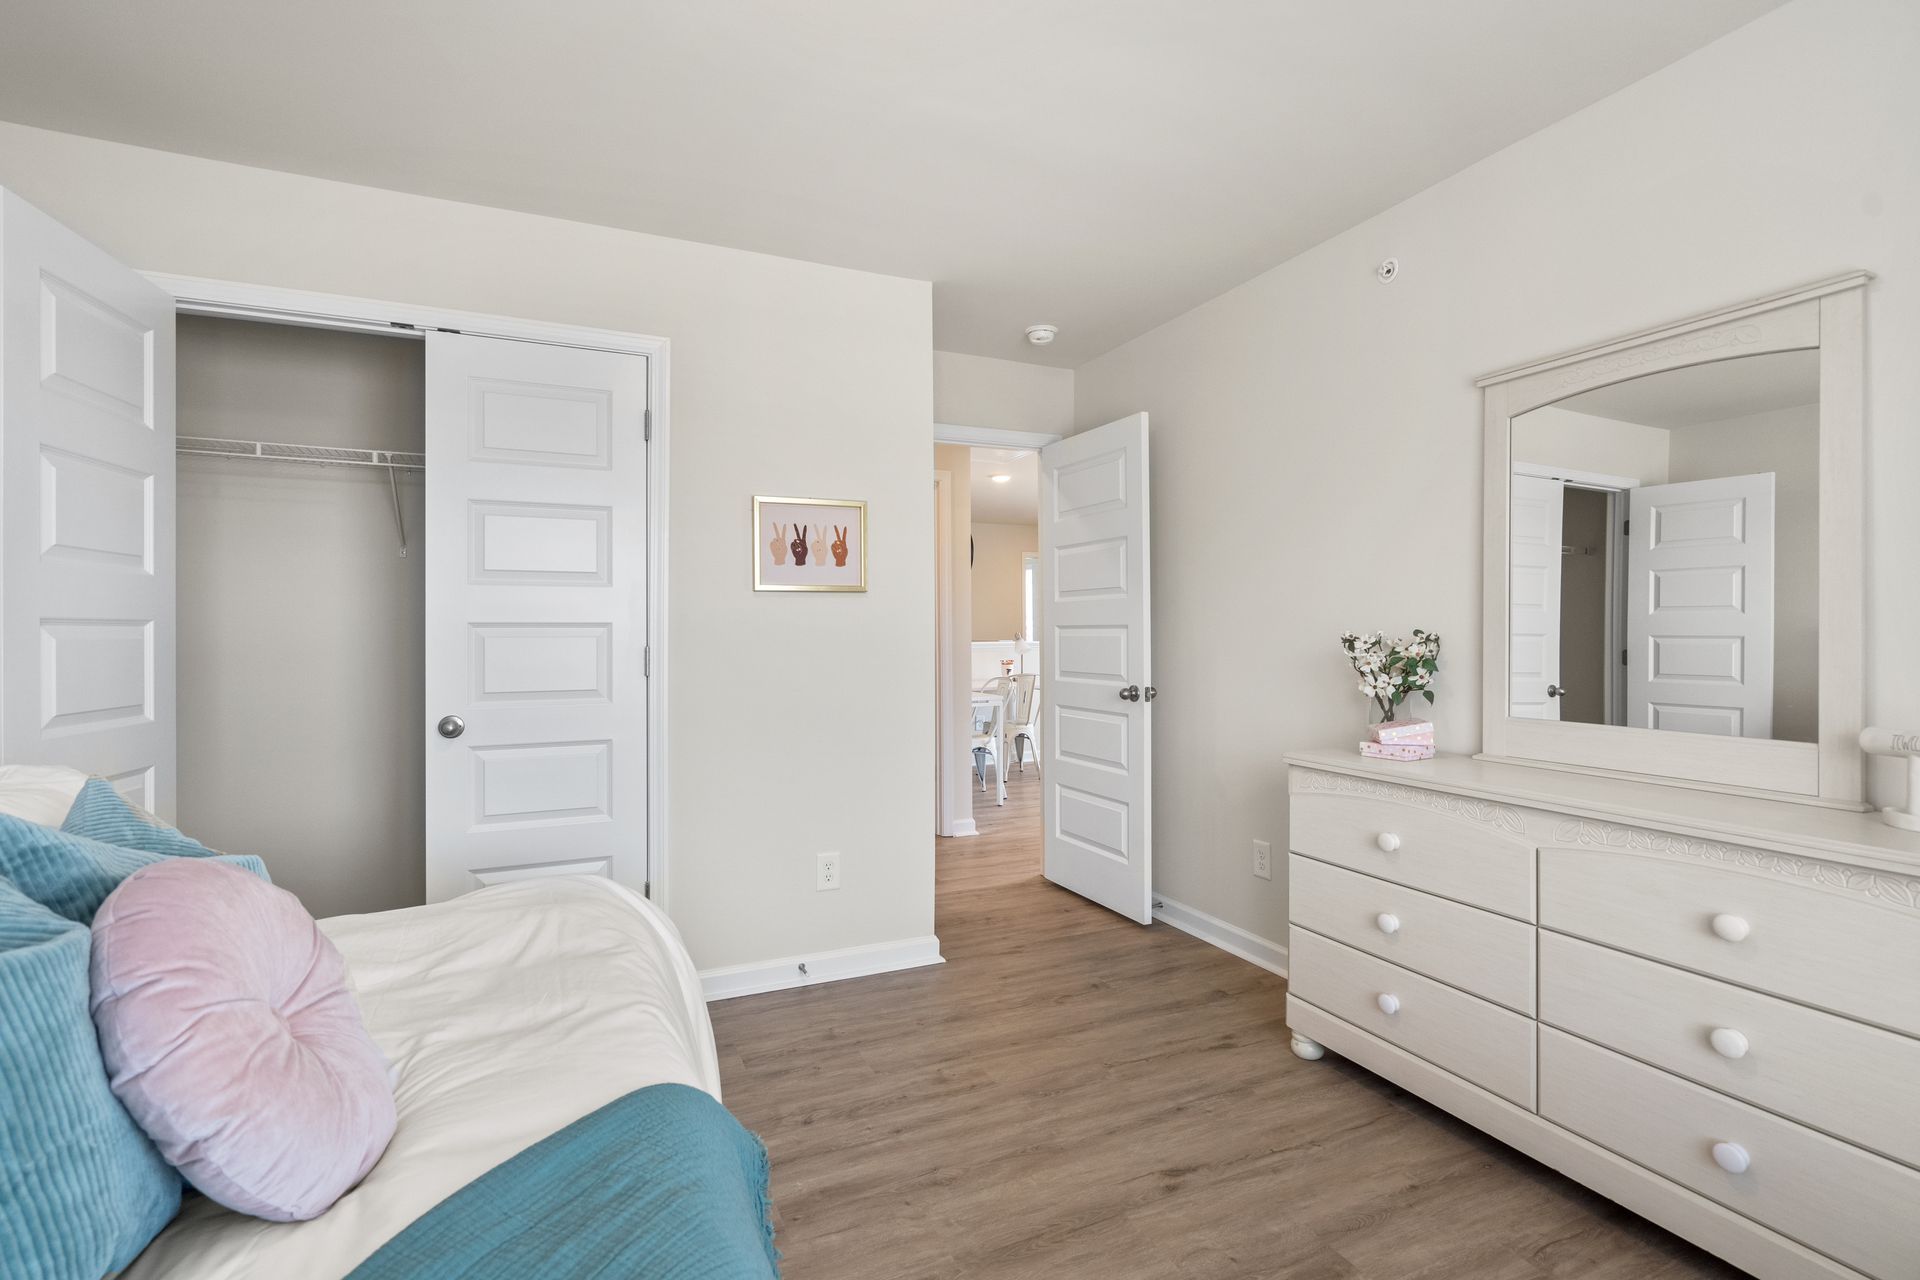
(536, 719)
(86, 424)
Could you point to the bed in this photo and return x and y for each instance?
(508, 1016)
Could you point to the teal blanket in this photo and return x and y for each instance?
(662, 1184)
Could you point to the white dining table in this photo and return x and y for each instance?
(995, 704)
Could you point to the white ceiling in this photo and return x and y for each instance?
(1015, 502)
(1712, 392)
(1100, 166)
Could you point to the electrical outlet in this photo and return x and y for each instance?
(1263, 859)
(826, 872)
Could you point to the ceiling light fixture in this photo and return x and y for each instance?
(1041, 334)
(1002, 478)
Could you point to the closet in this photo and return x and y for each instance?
(301, 659)
(369, 590)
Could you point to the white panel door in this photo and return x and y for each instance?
(86, 426)
(1533, 597)
(1097, 743)
(1700, 606)
(536, 613)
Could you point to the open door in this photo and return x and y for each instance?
(1700, 606)
(1533, 595)
(86, 426)
(536, 716)
(1097, 792)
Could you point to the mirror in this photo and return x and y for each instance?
(1675, 551)
(1664, 560)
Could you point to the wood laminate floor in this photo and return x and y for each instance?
(1073, 1095)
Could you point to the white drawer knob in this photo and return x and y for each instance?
(1732, 1157)
(1388, 842)
(1732, 928)
(1728, 1043)
(1387, 922)
(1389, 1003)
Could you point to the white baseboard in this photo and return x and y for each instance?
(1251, 947)
(965, 827)
(824, 966)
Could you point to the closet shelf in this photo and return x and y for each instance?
(322, 455)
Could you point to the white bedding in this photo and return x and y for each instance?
(507, 1014)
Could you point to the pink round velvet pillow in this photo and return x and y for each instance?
(230, 1035)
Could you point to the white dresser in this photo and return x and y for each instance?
(1703, 1006)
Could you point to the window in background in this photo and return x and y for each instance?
(1029, 576)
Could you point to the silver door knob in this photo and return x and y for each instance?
(1131, 693)
(1556, 691)
(1149, 693)
(451, 726)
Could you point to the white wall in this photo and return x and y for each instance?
(1584, 442)
(1288, 411)
(980, 391)
(300, 624)
(788, 377)
(999, 586)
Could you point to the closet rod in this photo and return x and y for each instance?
(324, 455)
(320, 455)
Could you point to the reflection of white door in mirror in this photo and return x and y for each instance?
(1763, 679)
(1534, 597)
(1700, 606)
(1724, 584)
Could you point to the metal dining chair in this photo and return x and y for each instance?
(1023, 720)
(989, 738)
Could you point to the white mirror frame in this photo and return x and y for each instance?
(1829, 316)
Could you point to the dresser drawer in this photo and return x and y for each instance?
(1485, 860)
(1481, 1042)
(1839, 948)
(1475, 950)
(1830, 1072)
(1850, 1204)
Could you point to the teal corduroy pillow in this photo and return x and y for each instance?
(82, 1190)
(71, 875)
(101, 813)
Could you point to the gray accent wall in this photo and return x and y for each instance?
(300, 632)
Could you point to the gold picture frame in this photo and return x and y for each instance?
(800, 545)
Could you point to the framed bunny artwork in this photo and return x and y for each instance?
(809, 544)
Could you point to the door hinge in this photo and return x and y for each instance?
(646, 427)
(1625, 527)
(646, 661)
(646, 888)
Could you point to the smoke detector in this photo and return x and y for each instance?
(1041, 334)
